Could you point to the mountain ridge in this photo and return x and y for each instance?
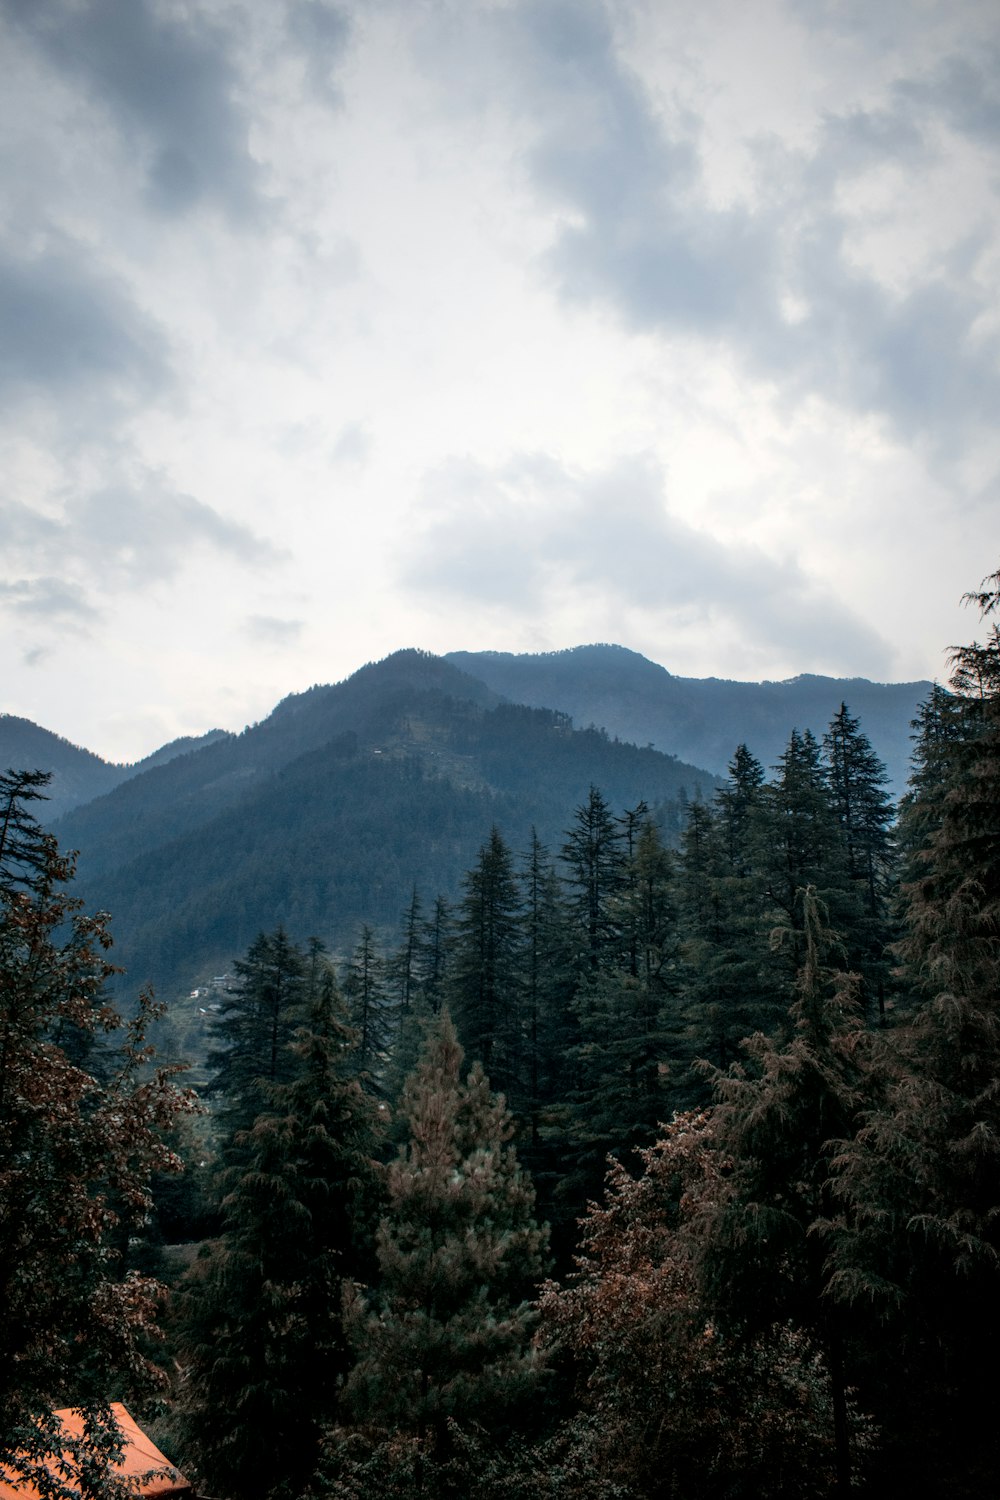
(328, 812)
(699, 719)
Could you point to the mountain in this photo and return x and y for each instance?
(328, 812)
(702, 720)
(78, 775)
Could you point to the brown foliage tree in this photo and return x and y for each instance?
(77, 1155)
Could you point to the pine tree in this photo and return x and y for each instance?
(436, 940)
(485, 982)
(548, 969)
(447, 1335)
(725, 922)
(858, 780)
(258, 1020)
(675, 1404)
(403, 971)
(941, 725)
(764, 1262)
(736, 802)
(799, 844)
(594, 870)
(534, 966)
(369, 1008)
(920, 1235)
(628, 1017)
(262, 1347)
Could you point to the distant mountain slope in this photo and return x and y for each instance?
(702, 720)
(182, 746)
(327, 812)
(78, 775)
(171, 799)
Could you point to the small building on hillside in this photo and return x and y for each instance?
(147, 1471)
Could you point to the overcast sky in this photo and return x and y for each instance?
(331, 328)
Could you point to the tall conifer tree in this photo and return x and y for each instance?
(369, 1007)
(921, 1234)
(447, 1335)
(858, 780)
(262, 1348)
(485, 981)
(259, 1016)
(594, 863)
(774, 1121)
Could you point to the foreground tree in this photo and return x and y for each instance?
(678, 1406)
(77, 1156)
(262, 1348)
(764, 1262)
(921, 1237)
(447, 1337)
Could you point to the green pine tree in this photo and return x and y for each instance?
(257, 1021)
(485, 978)
(594, 862)
(775, 1118)
(798, 843)
(920, 1234)
(262, 1347)
(446, 1335)
(858, 780)
(725, 925)
(370, 1008)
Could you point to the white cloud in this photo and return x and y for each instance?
(675, 325)
(537, 538)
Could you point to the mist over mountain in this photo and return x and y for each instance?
(701, 720)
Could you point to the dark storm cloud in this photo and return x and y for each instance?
(63, 323)
(168, 81)
(516, 537)
(638, 231)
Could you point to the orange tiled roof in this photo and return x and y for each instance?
(139, 1455)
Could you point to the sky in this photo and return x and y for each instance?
(328, 329)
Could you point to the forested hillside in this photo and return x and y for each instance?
(657, 1160)
(699, 719)
(326, 814)
(78, 776)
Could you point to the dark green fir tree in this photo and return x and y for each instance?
(920, 1235)
(258, 1019)
(370, 1008)
(858, 780)
(485, 979)
(262, 1349)
(764, 1263)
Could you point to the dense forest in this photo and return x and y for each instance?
(323, 816)
(658, 1163)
